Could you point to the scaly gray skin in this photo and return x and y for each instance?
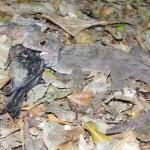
(50, 48)
(132, 124)
(31, 37)
(64, 58)
(48, 45)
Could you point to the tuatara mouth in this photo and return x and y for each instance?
(25, 69)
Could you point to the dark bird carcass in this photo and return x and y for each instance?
(26, 64)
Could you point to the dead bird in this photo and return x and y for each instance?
(26, 61)
(25, 69)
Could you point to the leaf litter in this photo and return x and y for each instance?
(103, 73)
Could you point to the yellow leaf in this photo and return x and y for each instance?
(53, 118)
(97, 136)
(48, 73)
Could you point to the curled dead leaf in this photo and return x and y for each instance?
(53, 118)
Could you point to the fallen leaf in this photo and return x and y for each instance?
(4, 50)
(11, 142)
(99, 124)
(56, 107)
(128, 142)
(21, 124)
(68, 146)
(32, 8)
(4, 17)
(67, 9)
(73, 25)
(36, 94)
(103, 145)
(4, 78)
(24, 1)
(83, 145)
(104, 11)
(97, 136)
(54, 135)
(6, 9)
(115, 34)
(53, 118)
(4, 132)
(127, 96)
(37, 110)
(74, 133)
(143, 13)
(34, 131)
(120, 27)
(143, 133)
(82, 99)
(84, 37)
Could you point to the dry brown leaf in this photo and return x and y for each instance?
(6, 9)
(54, 135)
(72, 137)
(7, 131)
(73, 25)
(4, 78)
(84, 37)
(82, 99)
(74, 133)
(37, 110)
(104, 11)
(69, 146)
(129, 142)
(21, 124)
(53, 118)
(34, 131)
(24, 1)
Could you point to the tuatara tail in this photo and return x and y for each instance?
(132, 124)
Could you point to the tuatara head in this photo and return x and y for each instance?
(48, 45)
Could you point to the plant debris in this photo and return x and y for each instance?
(74, 74)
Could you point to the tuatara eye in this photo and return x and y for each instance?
(43, 43)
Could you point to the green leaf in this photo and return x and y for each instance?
(120, 27)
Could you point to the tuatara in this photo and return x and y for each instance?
(106, 60)
(64, 58)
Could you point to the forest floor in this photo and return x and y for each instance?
(92, 58)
